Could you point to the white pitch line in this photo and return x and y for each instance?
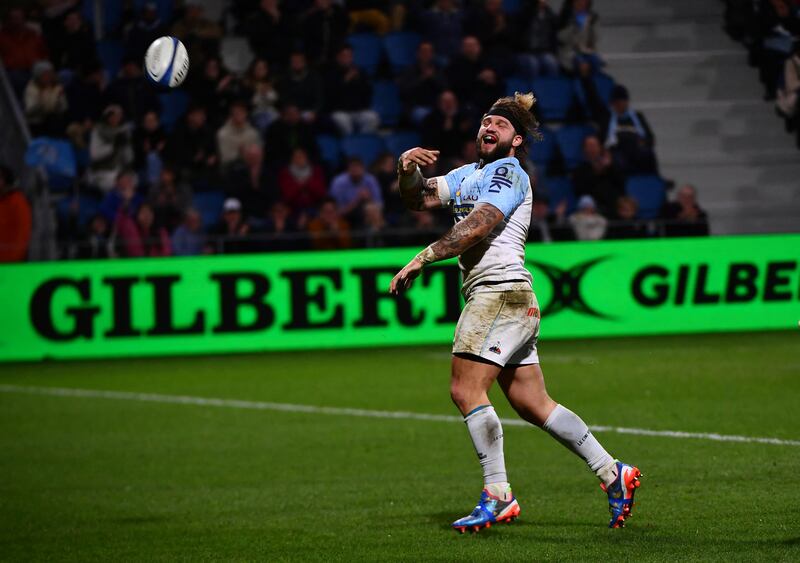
(368, 413)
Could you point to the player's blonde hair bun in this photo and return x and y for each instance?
(525, 100)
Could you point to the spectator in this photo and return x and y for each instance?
(684, 217)
(96, 241)
(75, 41)
(301, 182)
(141, 237)
(474, 80)
(235, 134)
(329, 230)
(349, 95)
(280, 229)
(169, 198)
(324, 28)
(110, 149)
(288, 133)
(599, 176)
(442, 26)
(21, 45)
(374, 226)
(147, 28)
(123, 198)
(252, 182)
(200, 34)
(15, 219)
(385, 171)
(230, 234)
(132, 92)
(489, 24)
(422, 83)
(539, 40)
(269, 33)
(354, 188)
(625, 223)
(547, 226)
(215, 89)
(779, 24)
(85, 95)
(303, 87)
(261, 93)
(45, 102)
(149, 142)
(192, 147)
(587, 223)
(577, 36)
(188, 239)
(447, 128)
(787, 95)
(627, 133)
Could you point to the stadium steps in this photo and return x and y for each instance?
(705, 106)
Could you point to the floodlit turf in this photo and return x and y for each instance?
(102, 479)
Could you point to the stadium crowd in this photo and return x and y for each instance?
(770, 29)
(300, 149)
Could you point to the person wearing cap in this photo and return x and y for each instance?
(623, 130)
(45, 101)
(497, 333)
(229, 235)
(587, 222)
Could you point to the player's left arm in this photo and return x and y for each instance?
(463, 235)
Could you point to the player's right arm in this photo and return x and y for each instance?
(417, 192)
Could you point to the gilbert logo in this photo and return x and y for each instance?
(567, 288)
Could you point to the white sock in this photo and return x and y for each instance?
(568, 428)
(487, 437)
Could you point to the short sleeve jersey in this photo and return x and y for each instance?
(500, 257)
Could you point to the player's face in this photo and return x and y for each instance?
(496, 138)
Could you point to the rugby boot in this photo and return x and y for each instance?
(490, 510)
(620, 493)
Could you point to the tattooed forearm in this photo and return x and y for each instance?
(463, 235)
(417, 192)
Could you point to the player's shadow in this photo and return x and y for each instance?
(443, 519)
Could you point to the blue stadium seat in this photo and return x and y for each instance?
(603, 83)
(570, 142)
(401, 49)
(110, 53)
(543, 151)
(366, 147)
(57, 157)
(400, 141)
(650, 191)
(88, 207)
(173, 106)
(386, 101)
(512, 6)
(209, 205)
(366, 51)
(164, 8)
(112, 14)
(554, 95)
(517, 84)
(557, 189)
(330, 150)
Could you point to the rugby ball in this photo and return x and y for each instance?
(166, 62)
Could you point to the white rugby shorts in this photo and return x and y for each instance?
(500, 326)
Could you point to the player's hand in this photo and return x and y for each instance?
(405, 277)
(417, 156)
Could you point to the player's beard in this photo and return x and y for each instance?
(495, 152)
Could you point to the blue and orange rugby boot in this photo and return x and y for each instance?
(490, 510)
(620, 493)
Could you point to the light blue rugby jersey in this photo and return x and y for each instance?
(500, 257)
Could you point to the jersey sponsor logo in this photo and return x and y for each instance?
(500, 180)
(567, 288)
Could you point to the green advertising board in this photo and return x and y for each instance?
(312, 300)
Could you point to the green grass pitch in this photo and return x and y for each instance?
(103, 479)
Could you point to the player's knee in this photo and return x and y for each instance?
(460, 395)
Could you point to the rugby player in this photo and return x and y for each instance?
(496, 335)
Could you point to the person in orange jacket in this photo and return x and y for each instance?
(15, 219)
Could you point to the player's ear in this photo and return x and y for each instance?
(516, 141)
